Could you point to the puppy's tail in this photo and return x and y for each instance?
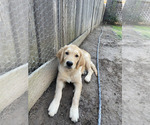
(93, 68)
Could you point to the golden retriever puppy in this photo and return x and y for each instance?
(73, 62)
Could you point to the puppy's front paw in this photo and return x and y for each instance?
(53, 108)
(74, 114)
(87, 79)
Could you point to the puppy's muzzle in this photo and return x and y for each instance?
(69, 64)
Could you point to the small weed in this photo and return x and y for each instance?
(118, 30)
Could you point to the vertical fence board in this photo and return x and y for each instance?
(73, 20)
(83, 15)
(6, 40)
(20, 29)
(98, 11)
(78, 17)
(64, 27)
(71, 12)
(45, 16)
(90, 15)
(101, 11)
(33, 48)
(60, 23)
(55, 13)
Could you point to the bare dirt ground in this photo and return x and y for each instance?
(16, 113)
(135, 77)
(110, 69)
(125, 78)
(124, 70)
(111, 77)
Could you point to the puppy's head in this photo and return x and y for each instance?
(70, 56)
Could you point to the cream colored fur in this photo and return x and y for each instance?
(81, 62)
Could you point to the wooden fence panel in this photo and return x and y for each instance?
(42, 26)
(58, 23)
(13, 34)
(70, 21)
(90, 13)
(6, 40)
(52, 24)
(33, 48)
(45, 21)
(19, 23)
(13, 50)
(97, 14)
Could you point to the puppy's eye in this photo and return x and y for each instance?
(76, 56)
(67, 53)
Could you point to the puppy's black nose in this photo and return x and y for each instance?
(69, 63)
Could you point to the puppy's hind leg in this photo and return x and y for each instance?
(90, 72)
(53, 108)
(94, 68)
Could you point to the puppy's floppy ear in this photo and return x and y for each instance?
(60, 54)
(81, 61)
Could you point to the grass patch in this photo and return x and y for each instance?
(144, 30)
(118, 30)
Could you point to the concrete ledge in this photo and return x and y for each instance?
(12, 85)
(41, 78)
